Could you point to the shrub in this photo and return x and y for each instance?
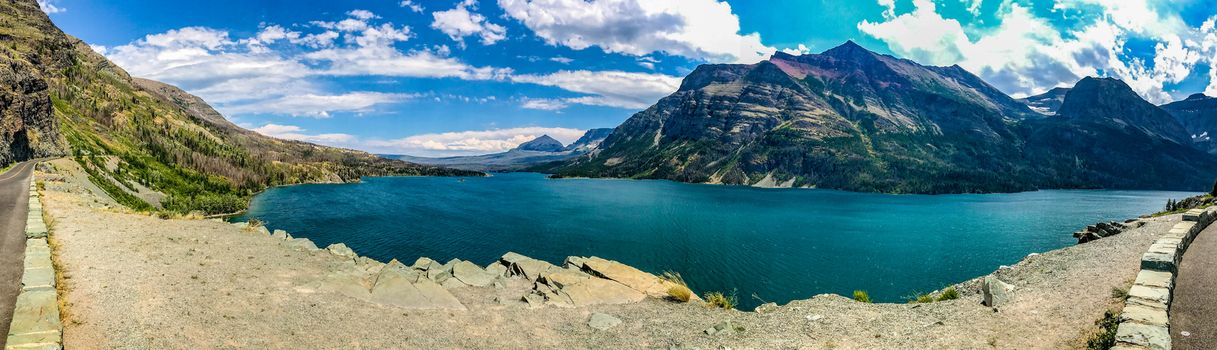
(1119, 293)
(1105, 338)
(720, 300)
(680, 290)
(922, 299)
(949, 294)
(861, 296)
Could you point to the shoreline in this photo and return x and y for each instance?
(133, 275)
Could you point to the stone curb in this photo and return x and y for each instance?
(36, 323)
(1145, 321)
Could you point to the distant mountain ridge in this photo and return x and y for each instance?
(541, 150)
(852, 119)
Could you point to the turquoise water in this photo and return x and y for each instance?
(776, 244)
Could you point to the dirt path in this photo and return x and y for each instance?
(1195, 305)
(138, 282)
(14, 193)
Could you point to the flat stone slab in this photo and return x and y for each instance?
(472, 274)
(627, 275)
(1192, 215)
(1153, 337)
(35, 279)
(35, 320)
(525, 266)
(602, 322)
(395, 285)
(596, 291)
(1158, 262)
(1157, 279)
(1145, 315)
(1154, 294)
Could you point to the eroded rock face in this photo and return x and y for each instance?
(28, 127)
(996, 292)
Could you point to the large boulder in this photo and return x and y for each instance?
(634, 278)
(400, 286)
(341, 250)
(996, 293)
(529, 268)
(472, 274)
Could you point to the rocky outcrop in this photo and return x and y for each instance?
(28, 126)
(1105, 229)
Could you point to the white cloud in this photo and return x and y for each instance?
(459, 23)
(562, 60)
(800, 50)
(1025, 54)
(700, 29)
(413, 6)
(608, 88)
(98, 49)
(49, 7)
(292, 132)
(545, 104)
(321, 106)
(470, 142)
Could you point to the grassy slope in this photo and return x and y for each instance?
(198, 163)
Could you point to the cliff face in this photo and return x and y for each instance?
(28, 127)
(133, 133)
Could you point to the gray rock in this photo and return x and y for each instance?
(534, 300)
(302, 244)
(339, 249)
(766, 308)
(497, 268)
(723, 328)
(471, 274)
(996, 292)
(281, 234)
(262, 230)
(425, 263)
(452, 283)
(394, 286)
(529, 268)
(602, 322)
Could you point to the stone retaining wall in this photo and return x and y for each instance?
(36, 323)
(1144, 323)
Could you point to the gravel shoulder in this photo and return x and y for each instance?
(139, 282)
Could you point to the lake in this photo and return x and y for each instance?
(765, 244)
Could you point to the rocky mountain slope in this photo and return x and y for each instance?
(1198, 114)
(1105, 135)
(856, 120)
(135, 135)
(1047, 103)
(542, 150)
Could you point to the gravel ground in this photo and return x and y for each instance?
(138, 282)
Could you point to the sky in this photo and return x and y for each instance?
(465, 77)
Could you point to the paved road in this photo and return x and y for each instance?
(1194, 309)
(14, 190)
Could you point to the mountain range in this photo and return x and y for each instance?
(134, 136)
(853, 119)
(538, 151)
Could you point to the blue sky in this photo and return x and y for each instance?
(459, 77)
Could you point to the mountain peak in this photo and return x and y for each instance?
(542, 144)
(849, 49)
(1197, 97)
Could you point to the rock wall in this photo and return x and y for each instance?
(28, 127)
(1144, 323)
(36, 323)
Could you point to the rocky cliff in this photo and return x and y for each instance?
(133, 135)
(853, 119)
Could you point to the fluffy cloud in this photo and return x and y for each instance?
(320, 106)
(292, 132)
(1025, 54)
(700, 29)
(607, 88)
(459, 23)
(470, 142)
(49, 7)
(413, 6)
